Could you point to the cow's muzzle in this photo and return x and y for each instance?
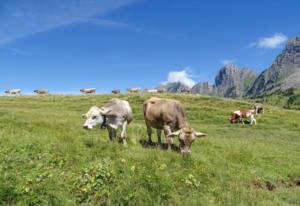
(85, 127)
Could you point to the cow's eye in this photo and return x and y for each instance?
(94, 117)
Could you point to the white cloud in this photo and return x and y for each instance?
(183, 77)
(228, 61)
(24, 18)
(271, 42)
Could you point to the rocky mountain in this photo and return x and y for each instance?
(233, 82)
(283, 74)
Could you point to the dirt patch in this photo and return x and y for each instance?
(272, 186)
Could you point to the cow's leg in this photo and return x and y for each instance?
(167, 131)
(112, 133)
(149, 133)
(124, 133)
(241, 120)
(158, 131)
(253, 120)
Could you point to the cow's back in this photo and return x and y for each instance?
(120, 108)
(159, 112)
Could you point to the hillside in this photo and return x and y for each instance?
(48, 159)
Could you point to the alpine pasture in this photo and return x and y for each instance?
(46, 158)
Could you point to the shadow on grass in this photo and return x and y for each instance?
(163, 146)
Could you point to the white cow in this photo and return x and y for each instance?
(151, 91)
(88, 90)
(134, 90)
(239, 115)
(13, 91)
(115, 114)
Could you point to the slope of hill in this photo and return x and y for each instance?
(48, 159)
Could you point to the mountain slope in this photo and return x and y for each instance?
(283, 74)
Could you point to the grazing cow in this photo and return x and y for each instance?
(151, 91)
(169, 115)
(41, 91)
(161, 90)
(88, 90)
(259, 108)
(13, 91)
(113, 115)
(134, 90)
(238, 116)
(185, 91)
(116, 91)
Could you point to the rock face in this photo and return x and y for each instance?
(283, 74)
(234, 82)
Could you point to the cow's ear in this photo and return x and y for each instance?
(104, 111)
(200, 134)
(174, 134)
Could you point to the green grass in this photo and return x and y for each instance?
(46, 158)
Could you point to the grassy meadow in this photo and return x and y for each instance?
(46, 158)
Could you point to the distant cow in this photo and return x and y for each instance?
(13, 91)
(239, 115)
(151, 91)
(134, 90)
(116, 91)
(88, 90)
(185, 91)
(169, 115)
(259, 108)
(161, 90)
(41, 91)
(114, 114)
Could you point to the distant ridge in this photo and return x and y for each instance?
(234, 82)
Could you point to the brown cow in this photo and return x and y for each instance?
(169, 115)
(41, 91)
(259, 108)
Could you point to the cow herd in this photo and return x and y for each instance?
(162, 114)
(135, 90)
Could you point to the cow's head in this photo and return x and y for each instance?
(234, 118)
(186, 137)
(95, 117)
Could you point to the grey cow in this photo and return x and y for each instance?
(115, 114)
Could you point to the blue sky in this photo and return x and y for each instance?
(65, 45)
